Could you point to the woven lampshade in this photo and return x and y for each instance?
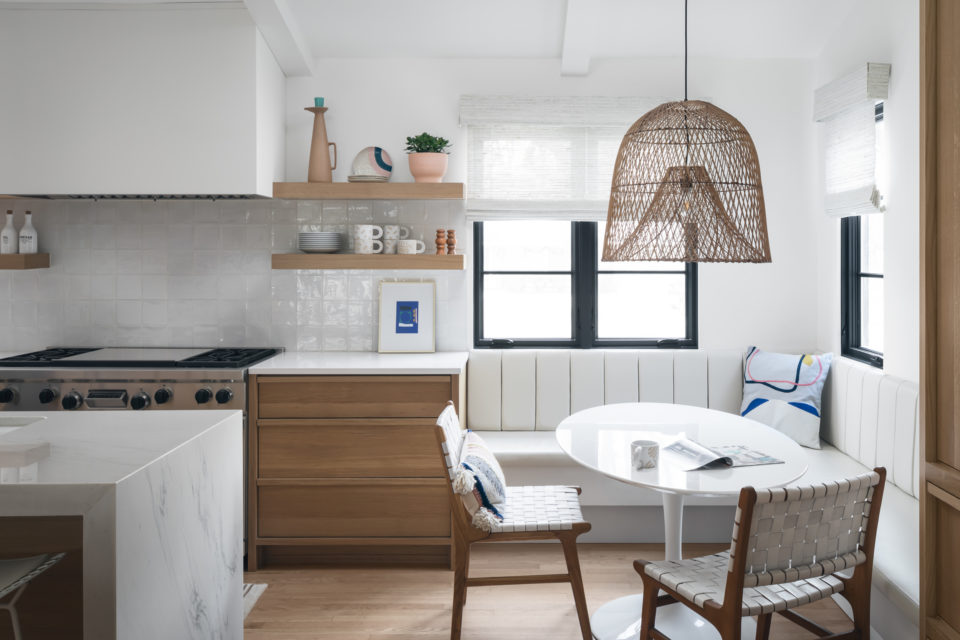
(686, 188)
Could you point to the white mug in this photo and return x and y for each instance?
(644, 454)
(366, 238)
(408, 247)
(392, 234)
(366, 245)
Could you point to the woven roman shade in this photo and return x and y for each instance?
(847, 108)
(543, 156)
(687, 188)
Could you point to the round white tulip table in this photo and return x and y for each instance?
(599, 438)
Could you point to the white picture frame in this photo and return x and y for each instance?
(408, 317)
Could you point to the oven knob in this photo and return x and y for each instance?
(139, 401)
(47, 395)
(163, 395)
(224, 396)
(71, 401)
(203, 396)
(7, 395)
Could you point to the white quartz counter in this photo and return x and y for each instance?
(99, 447)
(362, 363)
(160, 494)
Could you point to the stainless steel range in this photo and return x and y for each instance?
(73, 379)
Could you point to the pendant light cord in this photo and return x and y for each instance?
(685, 54)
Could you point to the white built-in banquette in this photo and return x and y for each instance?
(518, 397)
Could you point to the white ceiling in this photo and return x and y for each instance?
(576, 31)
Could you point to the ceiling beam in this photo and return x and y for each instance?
(575, 55)
(279, 28)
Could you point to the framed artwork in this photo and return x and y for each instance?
(408, 317)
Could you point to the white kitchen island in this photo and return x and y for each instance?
(160, 497)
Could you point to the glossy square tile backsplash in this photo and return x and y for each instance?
(197, 273)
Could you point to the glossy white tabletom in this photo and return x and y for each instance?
(600, 437)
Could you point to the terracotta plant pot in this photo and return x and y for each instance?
(428, 167)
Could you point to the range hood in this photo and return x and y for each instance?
(153, 103)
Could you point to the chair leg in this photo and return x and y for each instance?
(569, 544)
(649, 608)
(10, 606)
(466, 571)
(764, 620)
(459, 588)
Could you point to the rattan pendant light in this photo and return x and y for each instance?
(686, 187)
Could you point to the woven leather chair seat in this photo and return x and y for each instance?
(540, 508)
(704, 578)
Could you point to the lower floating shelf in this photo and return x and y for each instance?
(25, 261)
(366, 261)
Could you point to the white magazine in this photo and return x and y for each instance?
(690, 455)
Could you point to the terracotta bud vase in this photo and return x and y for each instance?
(320, 168)
(428, 167)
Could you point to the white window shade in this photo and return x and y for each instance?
(529, 157)
(846, 106)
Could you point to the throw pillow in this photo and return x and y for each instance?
(480, 482)
(784, 391)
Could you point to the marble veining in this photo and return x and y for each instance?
(162, 504)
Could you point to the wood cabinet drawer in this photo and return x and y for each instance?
(369, 448)
(359, 508)
(353, 396)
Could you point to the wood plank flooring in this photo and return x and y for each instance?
(408, 604)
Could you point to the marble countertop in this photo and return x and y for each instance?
(362, 363)
(97, 447)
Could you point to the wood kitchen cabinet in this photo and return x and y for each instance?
(345, 469)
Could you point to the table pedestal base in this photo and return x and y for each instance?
(620, 620)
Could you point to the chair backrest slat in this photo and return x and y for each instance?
(803, 532)
(452, 441)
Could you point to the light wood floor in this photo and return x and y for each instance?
(407, 604)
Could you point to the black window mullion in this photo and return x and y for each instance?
(585, 276)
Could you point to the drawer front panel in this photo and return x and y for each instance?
(371, 448)
(361, 510)
(353, 396)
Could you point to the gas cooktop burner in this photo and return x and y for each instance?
(133, 357)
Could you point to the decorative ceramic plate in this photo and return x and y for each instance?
(373, 162)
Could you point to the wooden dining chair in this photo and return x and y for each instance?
(787, 549)
(529, 513)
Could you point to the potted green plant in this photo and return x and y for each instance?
(428, 157)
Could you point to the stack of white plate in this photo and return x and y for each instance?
(319, 241)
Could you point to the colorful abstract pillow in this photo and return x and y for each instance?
(784, 391)
(480, 482)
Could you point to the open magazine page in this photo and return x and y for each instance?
(690, 455)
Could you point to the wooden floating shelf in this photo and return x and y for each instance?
(25, 261)
(365, 261)
(368, 190)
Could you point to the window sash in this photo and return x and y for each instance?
(851, 310)
(584, 302)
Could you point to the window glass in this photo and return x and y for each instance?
(631, 305)
(527, 306)
(522, 245)
(871, 244)
(871, 314)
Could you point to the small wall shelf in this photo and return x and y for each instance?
(368, 190)
(373, 261)
(25, 261)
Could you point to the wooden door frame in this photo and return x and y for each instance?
(939, 482)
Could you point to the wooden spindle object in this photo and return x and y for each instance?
(451, 242)
(441, 242)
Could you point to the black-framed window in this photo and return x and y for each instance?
(542, 284)
(861, 288)
(861, 272)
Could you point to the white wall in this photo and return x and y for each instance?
(880, 31)
(380, 102)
